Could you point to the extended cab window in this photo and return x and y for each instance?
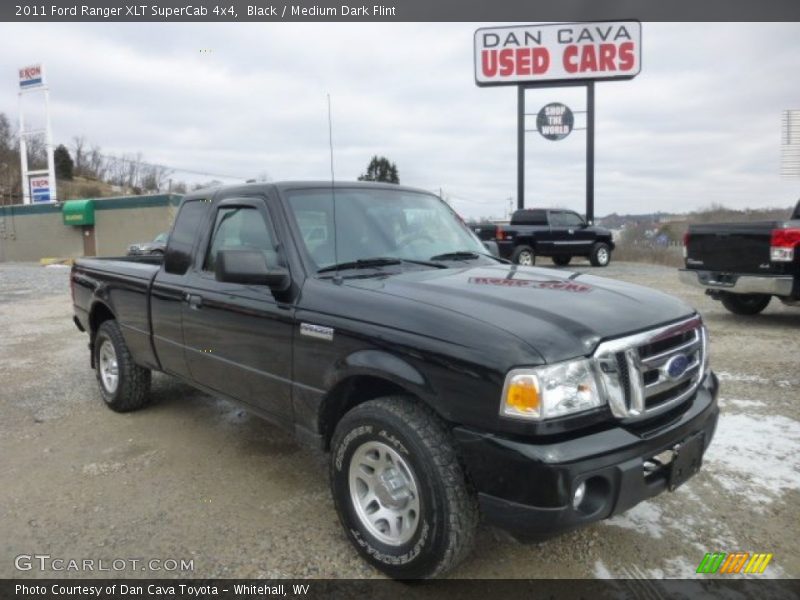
(529, 217)
(565, 219)
(241, 228)
(179, 247)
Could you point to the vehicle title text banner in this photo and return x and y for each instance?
(399, 10)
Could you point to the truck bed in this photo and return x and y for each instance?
(124, 282)
(732, 247)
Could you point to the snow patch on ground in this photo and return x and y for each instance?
(755, 457)
(745, 378)
(645, 517)
(741, 403)
(601, 571)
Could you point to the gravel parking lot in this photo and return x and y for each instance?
(193, 477)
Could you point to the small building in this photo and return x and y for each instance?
(88, 227)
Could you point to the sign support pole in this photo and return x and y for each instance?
(23, 155)
(51, 162)
(590, 152)
(520, 146)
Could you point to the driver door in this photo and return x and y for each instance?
(238, 337)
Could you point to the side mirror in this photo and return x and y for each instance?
(493, 248)
(250, 267)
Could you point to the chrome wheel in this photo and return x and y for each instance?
(109, 369)
(383, 490)
(526, 259)
(602, 256)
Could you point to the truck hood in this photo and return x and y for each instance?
(560, 314)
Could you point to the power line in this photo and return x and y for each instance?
(471, 200)
(167, 167)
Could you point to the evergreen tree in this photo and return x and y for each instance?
(64, 164)
(380, 169)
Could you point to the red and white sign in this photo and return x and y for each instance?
(40, 188)
(31, 77)
(558, 52)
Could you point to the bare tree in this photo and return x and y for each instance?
(95, 163)
(79, 155)
(154, 177)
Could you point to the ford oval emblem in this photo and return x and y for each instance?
(676, 366)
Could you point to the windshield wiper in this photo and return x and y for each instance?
(361, 263)
(457, 255)
(379, 261)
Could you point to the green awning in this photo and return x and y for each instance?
(78, 212)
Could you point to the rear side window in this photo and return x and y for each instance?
(178, 256)
(241, 228)
(529, 217)
(565, 219)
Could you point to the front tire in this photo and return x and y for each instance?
(745, 304)
(124, 385)
(562, 261)
(400, 492)
(524, 255)
(600, 255)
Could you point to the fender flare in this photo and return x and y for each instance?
(377, 364)
(382, 364)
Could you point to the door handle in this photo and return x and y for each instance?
(195, 301)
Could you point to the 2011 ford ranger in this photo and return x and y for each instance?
(445, 382)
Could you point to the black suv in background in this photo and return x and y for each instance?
(557, 233)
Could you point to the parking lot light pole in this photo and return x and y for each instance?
(520, 146)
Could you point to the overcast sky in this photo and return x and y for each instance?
(701, 124)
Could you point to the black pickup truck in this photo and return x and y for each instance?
(444, 382)
(745, 264)
(559, 234)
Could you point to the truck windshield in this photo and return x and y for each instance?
(373, 223)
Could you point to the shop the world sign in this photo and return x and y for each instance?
(557, 52)
(555, 121)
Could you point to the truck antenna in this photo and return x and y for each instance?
(337, 278)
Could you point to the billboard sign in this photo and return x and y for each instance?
(557, 52)
(555, 121)
(790, 143)
(31, 77)
(40, 188)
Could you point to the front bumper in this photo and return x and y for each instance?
(774, 285)
(528, 488)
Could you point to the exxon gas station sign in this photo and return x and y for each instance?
(40, 188)
(557, 52)
(31, 77)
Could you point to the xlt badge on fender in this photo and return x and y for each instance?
(317, 331)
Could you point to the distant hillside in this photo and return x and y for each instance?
(615, 221)
(712, 214)
(84, 187)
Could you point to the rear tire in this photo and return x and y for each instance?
(562, 261)
(124, 385)
(524, 255)
(400, 492)
(745, 304)
(600, 255)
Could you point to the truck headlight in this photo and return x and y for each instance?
(550, 391)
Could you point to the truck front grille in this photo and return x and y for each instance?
(648, 373)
